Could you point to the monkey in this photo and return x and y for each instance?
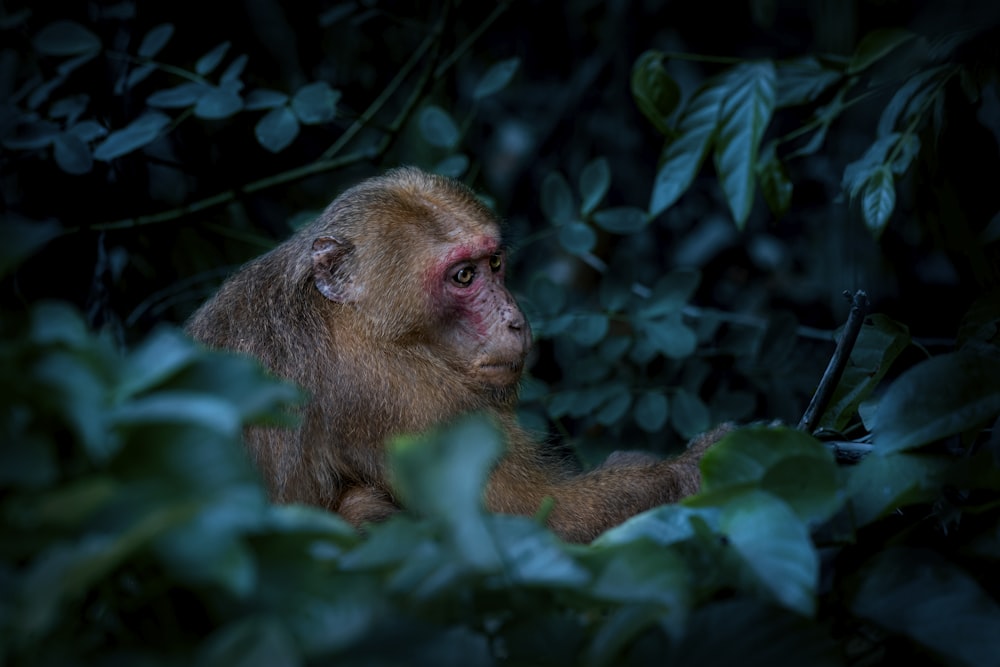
(391, 311)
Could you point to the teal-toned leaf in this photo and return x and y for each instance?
(910, 97)
(774, 181)
(548, 296)
(65, 38)
(671, 293)
(184, 95)
(775, 545)
(631, 573)
(533, 555)
(858, 173)
(595, 179)
(179, 407)
(438, 128)
(31, 135)
(683, 156)
(577, 238)
(882, 484)
(669, 336)
(232, 73)
(160, 356)
(135, 77)
(655, 92)
(918, 594)
(590, 329)
(72, 155)
(69, 108)
(651, 411)
(316, 103)
(262, 98)
(211, 60)
(218, 103)
(496, 78)
(905, 152)
(137, 134)
(744, 115)
(876, 45)
(879, 343)
(621, 220)
(20, 238)
(942, 396)
(277, 129)
(688, 414)
(787, 463)
(453, 166)
(88, 130)
(155, 40)
(616, 407)
(802, 80)
(557, 199)
(252, 641)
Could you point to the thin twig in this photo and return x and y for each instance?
(841, 355)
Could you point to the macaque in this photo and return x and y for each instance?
(390, 310)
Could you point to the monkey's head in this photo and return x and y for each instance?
(417, 260)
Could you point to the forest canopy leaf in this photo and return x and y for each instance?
(595, 179)
(876, 45)
(277, 129)
(140, 132)
(496, 78)
(65, 38)
(155, 40)
(315, 103)
(654, 90)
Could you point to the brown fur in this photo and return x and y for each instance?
(364, 310)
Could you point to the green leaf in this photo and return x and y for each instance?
(621, 220)
(175, 407)
(909, 98)
(631, 573)
(878, 201)
(253, 641)
(615, 408)
(137, 134)
(577, 238)
(163, 354)
(595, 179)
(671, 293)
(651, 411)
(948, 394)
(775, 545)
(211, 60)
(802, 80)
(442, 475)
(655, 92)
(263, 98)
(20, 239)
(590, 329)
(858, 173)
(879, 343)
(65, 38)
(548, 297)
(881, 484)
(72, 154)
(316, 103)
(496, 78)
(918, 594)
(683, 156)
(876, 45)
(452, 166)
(787, 463)
(155, 40)
(277, 129)
(557, 199)
(688, 414)
(218, 103)
(774, 181)
(181, 96)
(231, 75)
(88, 130)
(669, 335)
(744, 115)
(437, 127)
(31, 135)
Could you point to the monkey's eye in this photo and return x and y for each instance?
(464, 276)
(496, 261)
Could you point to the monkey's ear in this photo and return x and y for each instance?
(329, 273)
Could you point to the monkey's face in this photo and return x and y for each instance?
(480, 323)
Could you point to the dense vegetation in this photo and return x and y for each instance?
(686, 204)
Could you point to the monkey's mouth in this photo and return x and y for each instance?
(499, 372)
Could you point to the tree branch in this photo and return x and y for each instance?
(841, 355)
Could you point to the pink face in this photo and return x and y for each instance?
(481, 322)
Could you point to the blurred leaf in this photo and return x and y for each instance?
(277, 129)
(655, 92)
(621, 220)
(533, 555)
(916, 411)
(217, 103)
(496, 78)
(65, 38)
(184, 95)
(20, 239)
(651, 411)
(595, 179)
(31, 135)
(577, 238)
(547, 296)
(442, 475)
(683, 156)
(254, 641)
(880, 484)
(980, 326)
(590, 329)
(632, 573)
(802, 80)
(211, 60)
(155, 40)
(71, 154)
(557, 199)
(858, 173)
(663, 525)
(917, 593)
(669, 335)
(160, 356)
(671, 293)
(876, 45)
(615, 408)
(744, 115)
(165, 407)
(776, 546)
(135, 77)
(878, 201)
(262, 98)
(232, 73)
(137, 134)
(774, 181)
(909, 97)
(453, 166)
(316, 103)
(688, 415)
(785, 462)
(69, 108)
(880, 341)
(88, 130)
(438, 128)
